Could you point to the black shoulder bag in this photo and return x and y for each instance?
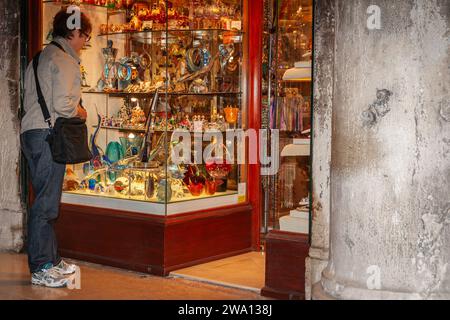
(68, 138)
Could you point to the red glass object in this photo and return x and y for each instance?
(231, 114)
(195, 189)
(119, 186)
(194, 180)
(211, 186)
(216, 169)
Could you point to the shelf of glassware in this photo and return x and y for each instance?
(142, 205)
(142, 187)
(109, 10)
(121, 94)
(142, 130)
(229, 36)
(137, 32)
(79, 3)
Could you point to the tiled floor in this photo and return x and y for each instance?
(101, 282)
(246, 271)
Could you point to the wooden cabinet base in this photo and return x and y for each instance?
(285, 265)
(149, 243)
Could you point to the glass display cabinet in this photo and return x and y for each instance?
(287, 92)
(162, 84)
(286, 106)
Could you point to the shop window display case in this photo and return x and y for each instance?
(286, 106)
(163, 82)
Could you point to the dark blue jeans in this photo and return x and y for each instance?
(47, 178)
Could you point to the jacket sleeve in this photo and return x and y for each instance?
(66, 86)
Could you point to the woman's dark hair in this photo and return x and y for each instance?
(60, 28)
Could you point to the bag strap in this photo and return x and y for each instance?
(41, 98)
(57, 45)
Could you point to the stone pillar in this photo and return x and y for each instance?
(390, 161)
(11, 213)
(324, 20)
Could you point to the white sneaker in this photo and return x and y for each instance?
(49, 278)
(65, 268)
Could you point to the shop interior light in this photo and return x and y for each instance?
(300, 72)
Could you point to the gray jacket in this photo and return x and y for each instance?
(60, 80)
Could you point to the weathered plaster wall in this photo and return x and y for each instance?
(324, 31)
(390, 182)
(11, 214)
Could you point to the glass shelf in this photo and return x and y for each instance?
(126, 94)
(110, 11)
(168, 30)
(83, 4)
(121, 129)
(152, 131)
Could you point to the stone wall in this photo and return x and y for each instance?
(390, 168)
(11, 213)
(324, 33)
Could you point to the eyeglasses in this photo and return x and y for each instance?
(88, 37)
